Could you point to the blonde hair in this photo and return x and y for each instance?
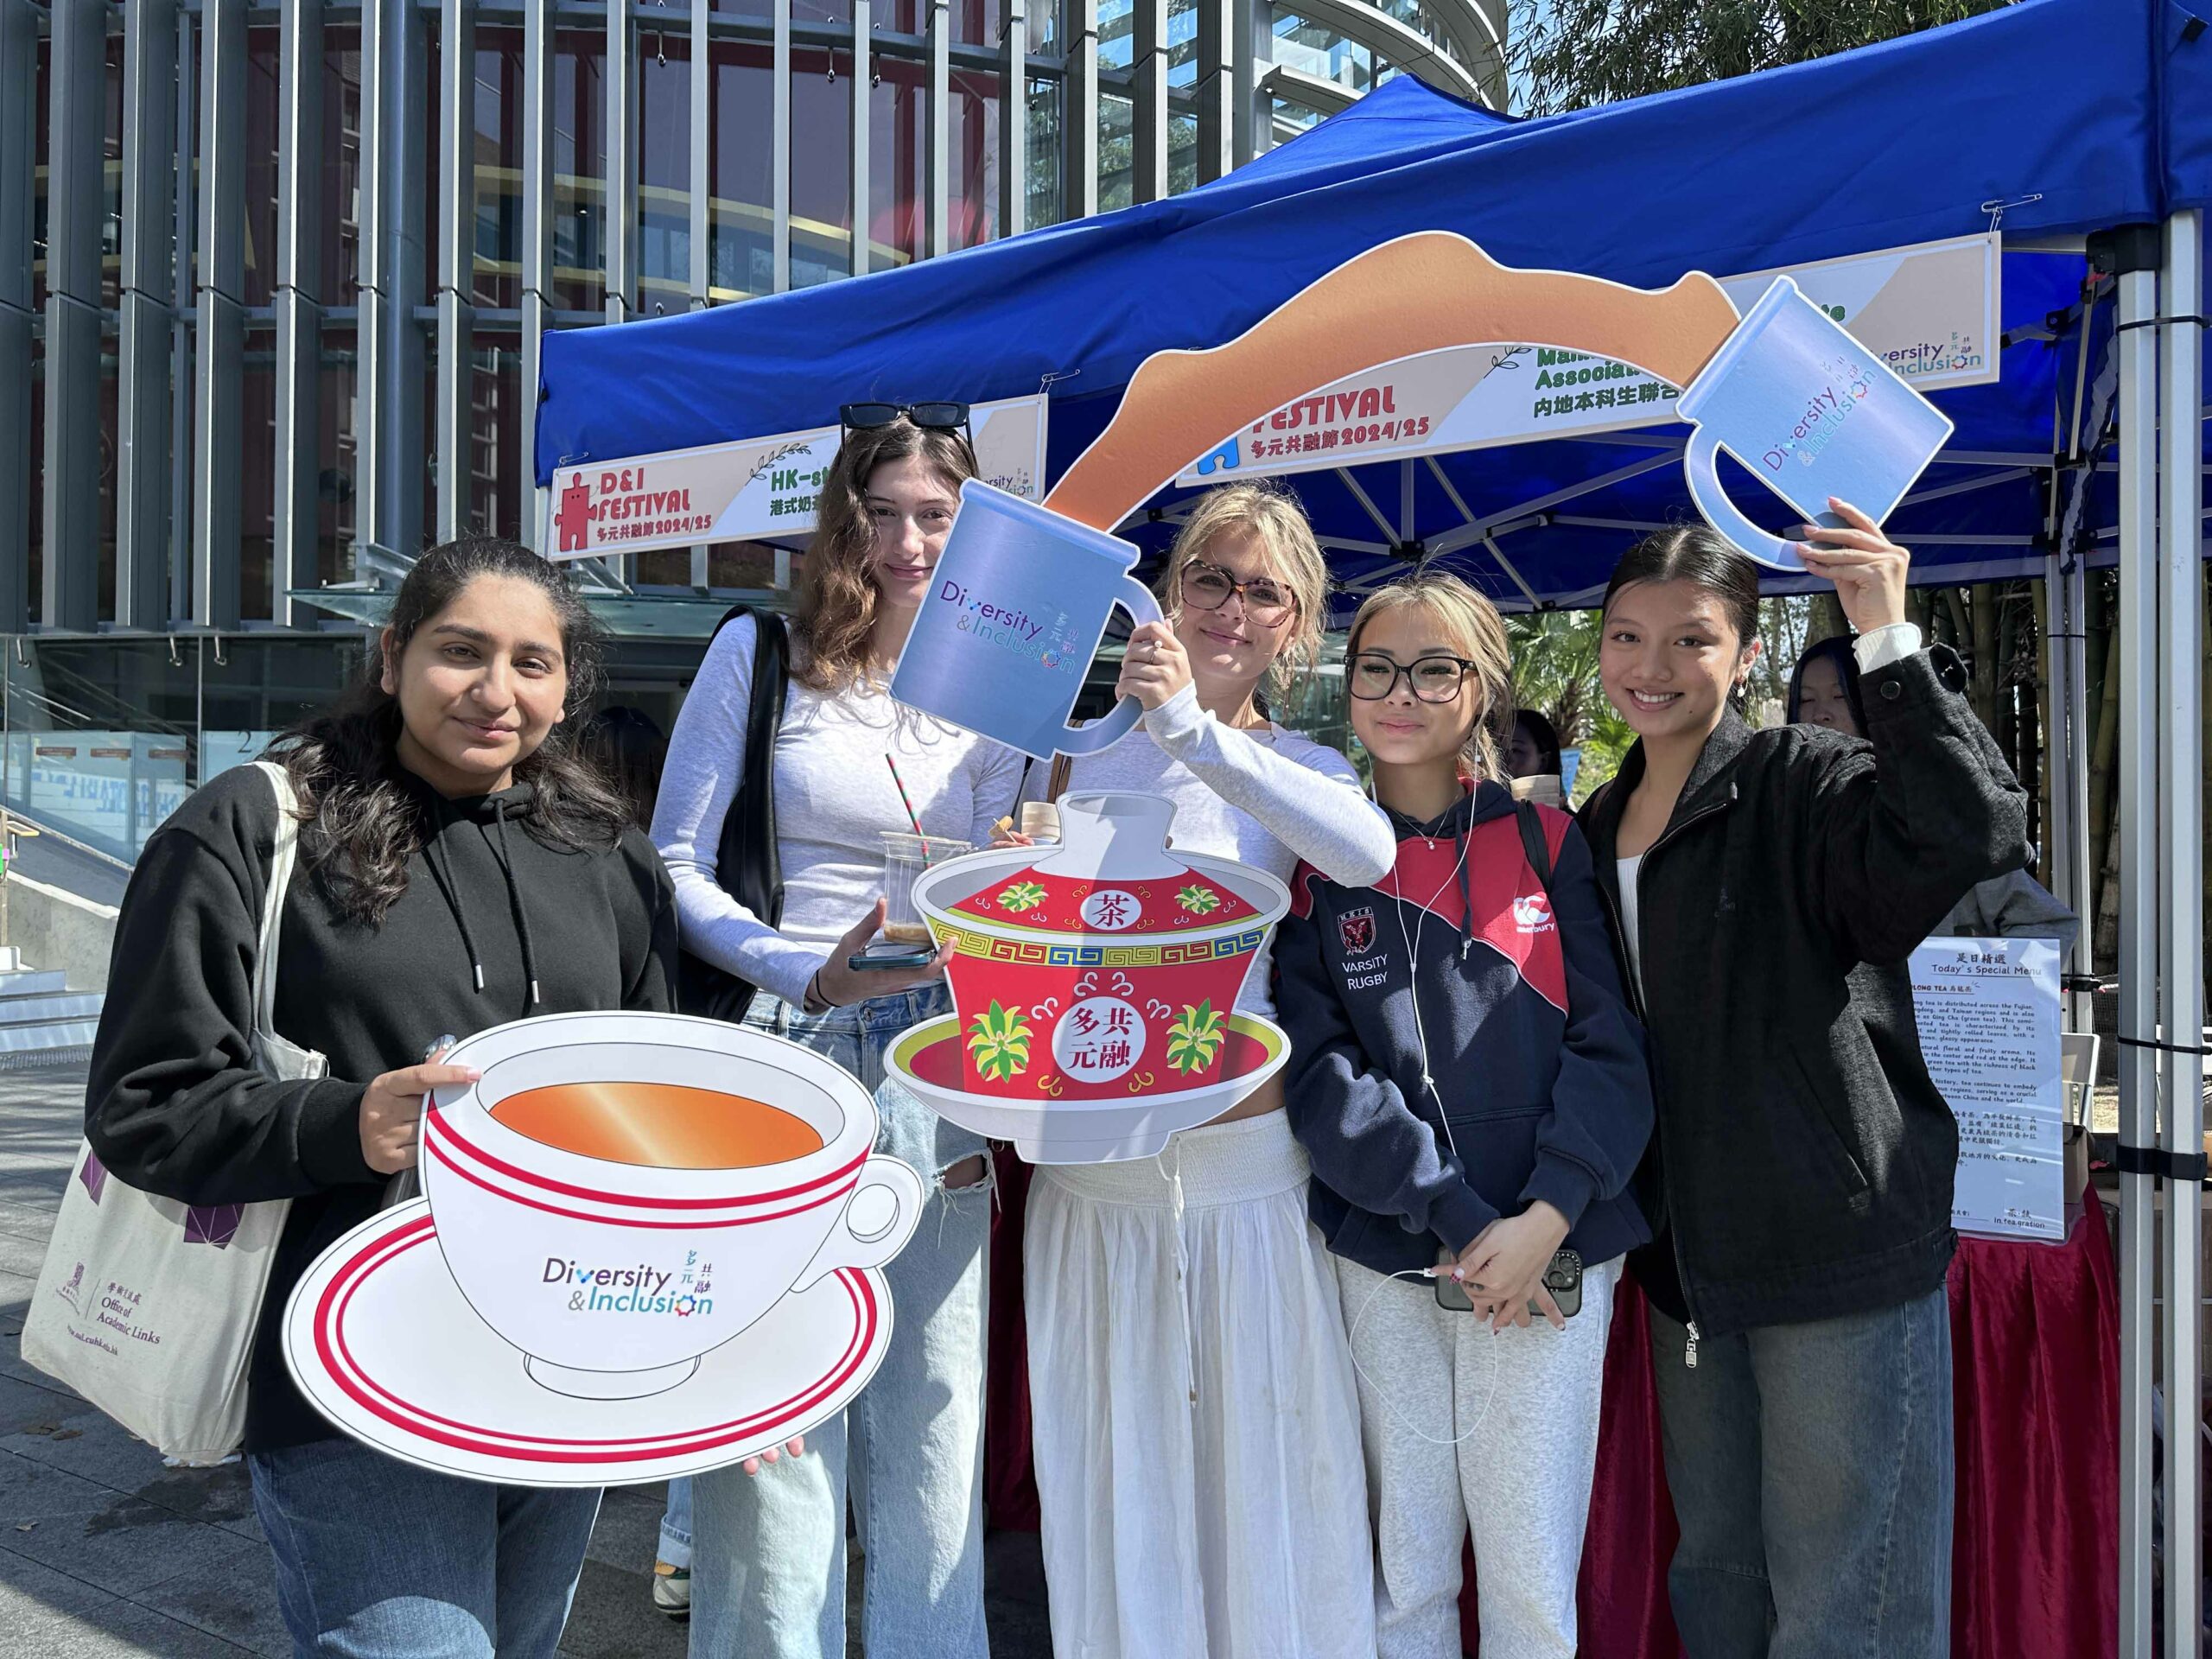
(1275, 518)
(1476, 631)
(837, 593)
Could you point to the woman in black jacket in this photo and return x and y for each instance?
(1769, 886)
(461, 865)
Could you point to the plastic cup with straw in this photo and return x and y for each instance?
(904, 858)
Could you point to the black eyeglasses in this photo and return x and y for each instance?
(931, 417)
(1207, 588)
(1373, 677)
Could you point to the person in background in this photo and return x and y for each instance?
(629, 747)
(1195, 1424)
(461, 865)
(1824, 691)
(769, 1556)
(1533, 751)
(1769, 887)
(1468, 1079)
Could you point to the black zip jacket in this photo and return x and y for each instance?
(1520, 1076)
(1803, 1163)
(175, 1106)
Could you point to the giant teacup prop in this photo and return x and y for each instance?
(1785, 389)
(1094, 987)
(650, 1251)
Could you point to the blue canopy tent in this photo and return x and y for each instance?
(2053, 120)
(2046, 112)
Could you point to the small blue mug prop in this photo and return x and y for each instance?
(1017, 605)
(1812, 413)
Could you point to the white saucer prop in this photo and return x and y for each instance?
(927, 1060)
(383, 1343)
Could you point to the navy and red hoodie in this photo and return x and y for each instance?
(1536, 1060)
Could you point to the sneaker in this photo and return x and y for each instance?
(673, 1589)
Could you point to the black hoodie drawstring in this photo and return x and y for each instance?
(1467, 891)
(514, 902)
(439, 818)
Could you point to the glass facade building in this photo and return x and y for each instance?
(273, 280)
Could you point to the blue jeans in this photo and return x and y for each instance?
(675, 1546)
(768, 1569)
(379, 1560)
(1811, 1468)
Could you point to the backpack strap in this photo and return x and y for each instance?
(1055, 780)
(1533, 842)
(747, 862)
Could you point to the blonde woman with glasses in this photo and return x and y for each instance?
(1195, 1424)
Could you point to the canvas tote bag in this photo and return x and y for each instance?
(147, 1307)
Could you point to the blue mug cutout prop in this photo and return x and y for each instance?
(1812, 413)
(1017, 606)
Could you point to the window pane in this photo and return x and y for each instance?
(1117, 153)
(497, 136)
(897, 143)
(663, 173)
(822, 167)
(742, 252)
(975, 193)
(579, 168)
(1046, 201)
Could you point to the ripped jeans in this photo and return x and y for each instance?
(768, 1560)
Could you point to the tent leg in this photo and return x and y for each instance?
(2139, 939)
(2181, 902)
(2064, 758)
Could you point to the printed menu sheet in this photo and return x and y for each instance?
(1989, 1028)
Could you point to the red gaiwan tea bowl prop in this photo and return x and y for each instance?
(1097, 974)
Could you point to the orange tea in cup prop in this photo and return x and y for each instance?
(1094, 987)
(621, 1193)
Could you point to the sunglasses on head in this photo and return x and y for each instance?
(930, 417)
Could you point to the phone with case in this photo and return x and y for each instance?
(1563, 1278)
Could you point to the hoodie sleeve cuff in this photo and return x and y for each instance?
(1458, 1216)
(330, 1133)
(1567, 1188)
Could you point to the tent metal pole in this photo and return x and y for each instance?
(2139, 939)
(2181, 902)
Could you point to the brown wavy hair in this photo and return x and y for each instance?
(1471, 623)
(837, 595)
(360, 819)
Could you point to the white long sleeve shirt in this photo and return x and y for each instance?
(834, 798)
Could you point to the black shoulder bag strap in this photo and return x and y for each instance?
(747, 866)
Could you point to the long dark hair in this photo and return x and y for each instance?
(360, 820)
(837, 595)
(1700, 555)
(1837, 649)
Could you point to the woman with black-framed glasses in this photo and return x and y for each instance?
(1470, 1084)
(1181, 1310)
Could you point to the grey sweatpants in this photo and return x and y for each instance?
(1526, 1403)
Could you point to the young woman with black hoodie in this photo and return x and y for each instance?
(460, 867)
(1769, 887)
(1469, 1085)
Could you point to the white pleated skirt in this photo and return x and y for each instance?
(1194, 1419)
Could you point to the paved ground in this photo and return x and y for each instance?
(103, 1552)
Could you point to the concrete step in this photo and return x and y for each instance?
(33, 982)
(21, 1011)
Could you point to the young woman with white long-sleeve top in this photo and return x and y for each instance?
(1181, 1312)
(768, 1558)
